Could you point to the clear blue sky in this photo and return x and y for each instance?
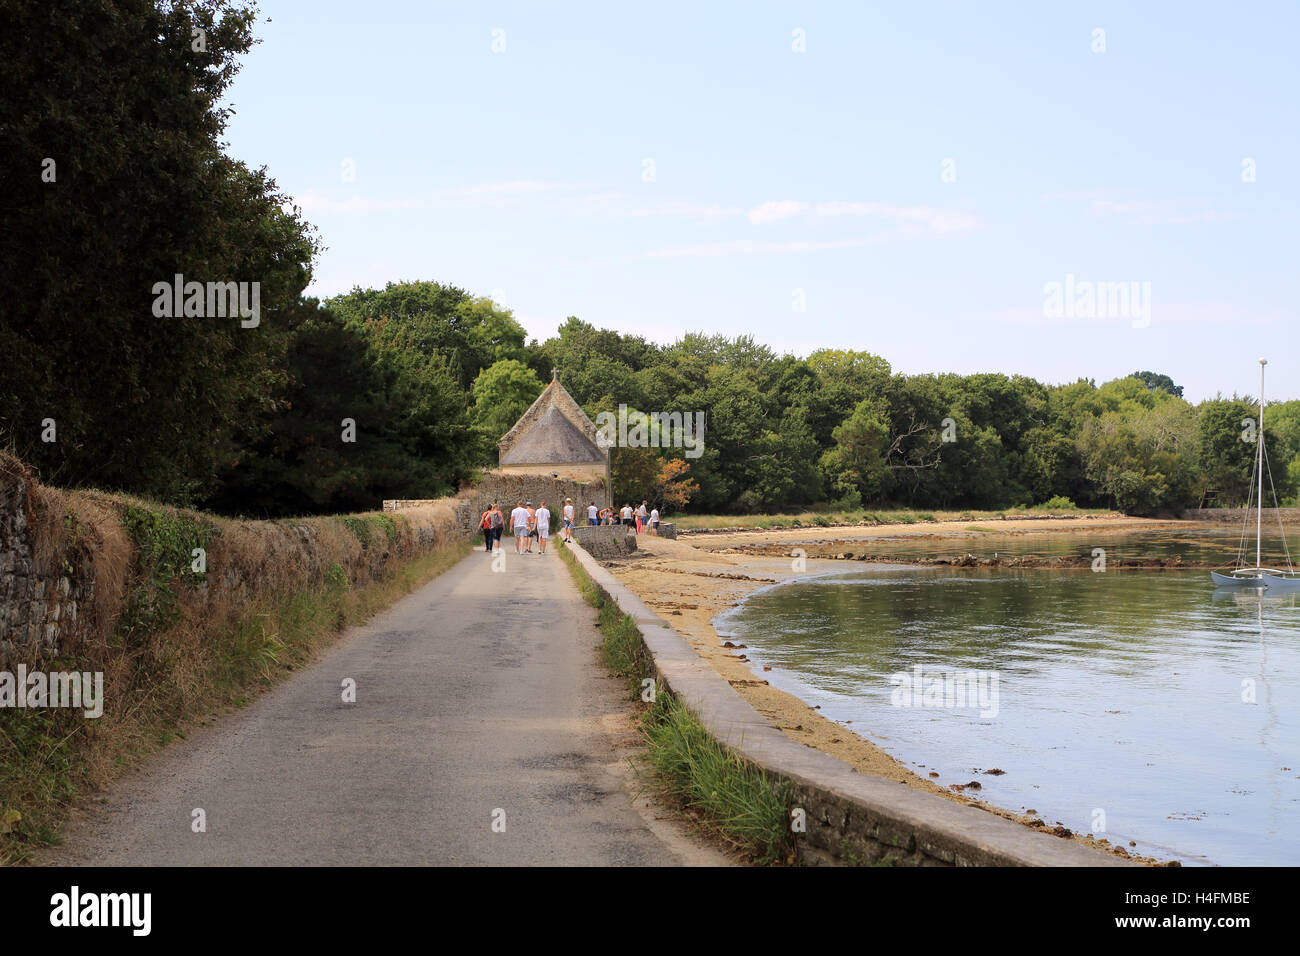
(521, 174)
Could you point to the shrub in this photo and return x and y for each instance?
(1060, 503)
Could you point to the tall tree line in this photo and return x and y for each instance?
(116, 178)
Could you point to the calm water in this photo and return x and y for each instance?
(1118, 694)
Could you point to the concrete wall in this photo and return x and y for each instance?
(849, 814)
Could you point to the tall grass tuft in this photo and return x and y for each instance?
(725, 794)
(746, 806)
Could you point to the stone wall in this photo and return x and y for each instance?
(70, 564)
(605, 542)
(37, 605)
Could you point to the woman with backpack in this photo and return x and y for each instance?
(492, 523)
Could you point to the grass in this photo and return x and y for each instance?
(49, 757)
(743, 804)
(835, 518)
(729, 797)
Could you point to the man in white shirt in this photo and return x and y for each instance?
(654, 520)
(543, 527)
(568, 519)
(593, 514)
(519, 525)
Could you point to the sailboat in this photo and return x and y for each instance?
(1260, 576)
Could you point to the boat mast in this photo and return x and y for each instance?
(1259, 511)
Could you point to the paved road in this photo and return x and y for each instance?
(481, 692)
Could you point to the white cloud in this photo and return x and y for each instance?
(688, 210)
(1073, 196)
(313, 203)
(516, 187)
(1174, 313)
(1144, 212)
(910, 218)
(776, 210)
(746, 247)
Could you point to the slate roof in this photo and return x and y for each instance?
(555, 430)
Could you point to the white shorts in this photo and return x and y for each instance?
(543, 531)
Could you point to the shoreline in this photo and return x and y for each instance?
(690, 586)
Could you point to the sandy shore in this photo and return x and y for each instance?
(690, 581)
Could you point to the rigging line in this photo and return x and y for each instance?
(1277, 508)
(1245, 521)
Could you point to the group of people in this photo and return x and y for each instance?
(528, 524)
(641, 518)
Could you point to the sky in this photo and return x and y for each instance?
(963, 187)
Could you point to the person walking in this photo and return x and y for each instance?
(485, 525)
(497, 520)
(627, 516)
(532, 526)
(654, 521)
(642, 516)
(519, 526)
(568, 520)
(542, 526)
(593, 514)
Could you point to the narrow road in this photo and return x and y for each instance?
(478, 698)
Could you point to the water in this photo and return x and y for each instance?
(1119, 695)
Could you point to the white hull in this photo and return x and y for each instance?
(1240, 580)
(1273, 581)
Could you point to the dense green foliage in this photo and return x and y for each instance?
(114, 94)
(404, 391)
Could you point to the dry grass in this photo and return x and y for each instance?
(175, 645)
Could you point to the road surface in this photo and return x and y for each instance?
(480, 699)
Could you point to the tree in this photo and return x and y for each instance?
(1224, 456)
(430, 318)
(125, 103)
(406, 411)
(502, 393)
(1157, 382)
(855, 467)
